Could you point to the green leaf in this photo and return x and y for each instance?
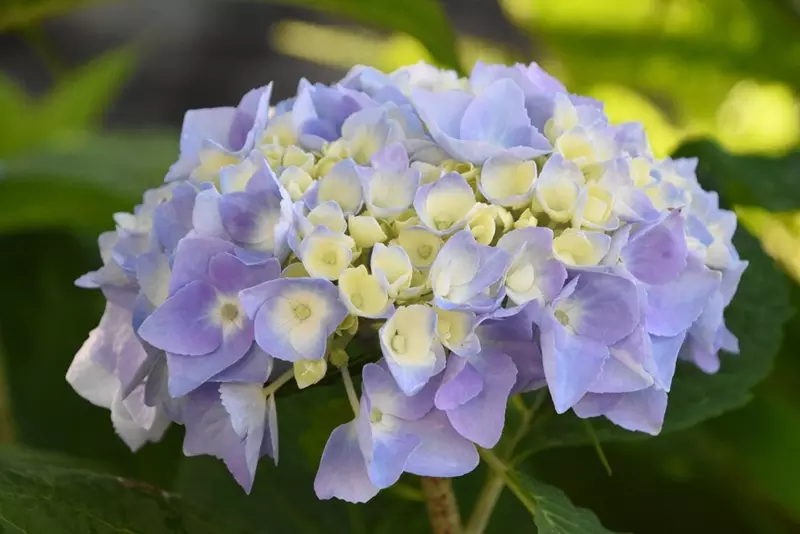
(44, 320)
(764, 181)
(80, 185)
(555, 513)
(78, 101)
(551, 509)
(424, 20)
(757, 316)
(19, 13)
(73, 106)
(42, 494)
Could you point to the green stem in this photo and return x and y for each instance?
(499, 467)
(495, 482)
(487, 500)
(350, 388)
(442, 506)
(280, 381)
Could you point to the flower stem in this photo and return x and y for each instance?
(274, 386)
(350, 388)
(442, 506)
(495, 481)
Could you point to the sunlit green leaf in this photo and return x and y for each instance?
(81, 184)
(78, 101)
(42, 494)
(424, 20)
(19, 13)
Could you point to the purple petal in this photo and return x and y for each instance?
(230, 275)
(674, 306)
(209, 430)
(482, 418)
(442, 452)
(657, 254)
(385, 445)
(278, 331)
(254, 368)
(187, 373)
(571, 364)
(460, 383)
(665, 356)
(182, 325)
(624, 371)
(384, 394)
(604, 307)
(192, 257)
(342, 470)
(641, 411)
(495, 114)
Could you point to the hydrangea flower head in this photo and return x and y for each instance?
(480, 237)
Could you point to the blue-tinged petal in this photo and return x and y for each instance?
(625, 370)
(192, 258)
(657, 254)
(250, 119)
(206, 219)
(293, 317)
(172, 220)
(247, 407)
(641, 411)
(442, 112)
(182, 324)
(386, 445)
(187, 373)
(482, 418)
(230, 274)
(664, 357)
(384, 394)
(465, 274)
(571, 363)
(538, 86)
(603, 307)
(389, 188)
(596, 404)
(496, 115)
(254, 367)
(442, 451)
(198, 126)
(210, 430)
(674, 306)
(461, 382)
(533, 273)
(342, 470)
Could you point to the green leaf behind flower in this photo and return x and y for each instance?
(424, 20)
(555, 513)
(79, 185)
(45, 494)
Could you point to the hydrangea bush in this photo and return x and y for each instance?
(456, 241)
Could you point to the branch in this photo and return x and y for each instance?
(442, 506)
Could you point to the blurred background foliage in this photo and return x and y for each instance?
(92, 93)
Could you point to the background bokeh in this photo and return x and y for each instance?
(92, 95)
